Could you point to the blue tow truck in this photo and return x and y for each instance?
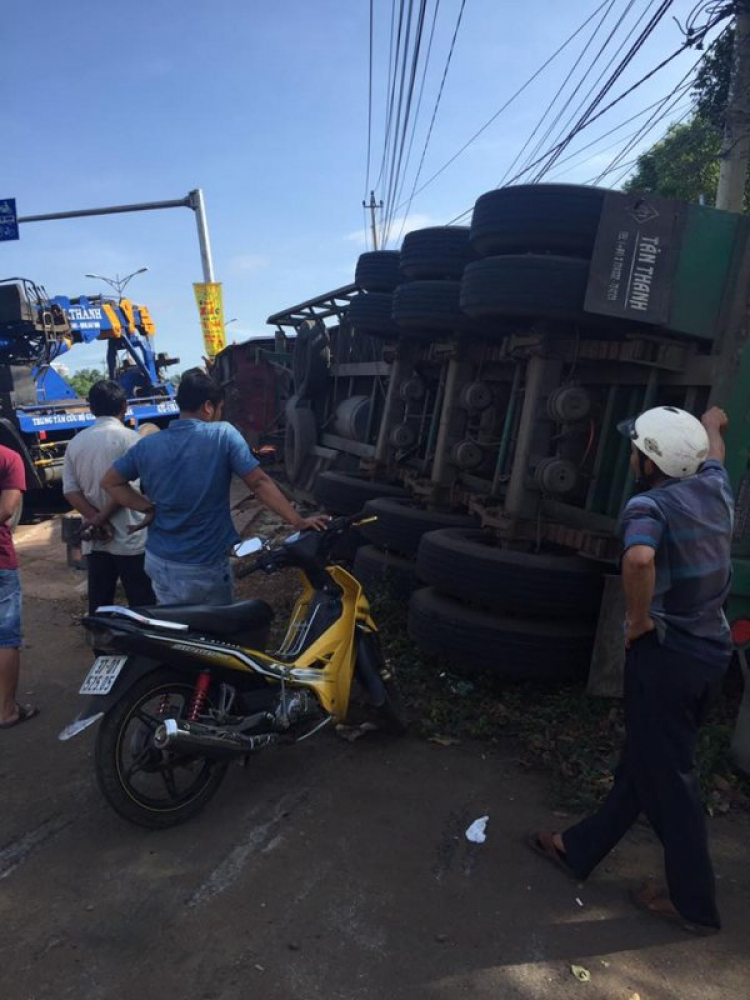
(39, 411)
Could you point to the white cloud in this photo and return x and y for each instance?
(248, 262)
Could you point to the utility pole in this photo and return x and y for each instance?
(373, 206)
(735, 148)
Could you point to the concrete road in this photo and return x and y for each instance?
(331, 870)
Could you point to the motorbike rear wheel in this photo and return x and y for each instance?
(150, 787)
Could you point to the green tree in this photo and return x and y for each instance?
(83, 379)
(711, 89)
(684, 164)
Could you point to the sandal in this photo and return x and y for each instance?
(25, 712)
(656, 902)
(543, 845)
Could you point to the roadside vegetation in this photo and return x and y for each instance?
(559, 728)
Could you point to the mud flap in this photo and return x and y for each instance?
(97, 706)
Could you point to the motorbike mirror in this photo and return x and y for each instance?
(248, 547)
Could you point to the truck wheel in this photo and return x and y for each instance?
(537, 218)
(542, 287)
(377, 271)
(347, 494)
(472, 566)
(436, 252)
(401, 523)
(478, 641)
(371, 313)
(300, 437)
(385, 574)
(422, 307)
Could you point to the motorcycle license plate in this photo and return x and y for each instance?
(102, 676)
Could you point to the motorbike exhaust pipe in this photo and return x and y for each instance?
(210, 741)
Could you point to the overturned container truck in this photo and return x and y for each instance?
(482, 375)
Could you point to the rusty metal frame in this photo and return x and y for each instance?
(322, 307)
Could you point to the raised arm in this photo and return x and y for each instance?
(716, 422)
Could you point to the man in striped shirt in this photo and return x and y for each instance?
(676, 573)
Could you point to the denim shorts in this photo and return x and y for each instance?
(10, 609)
(186, 583)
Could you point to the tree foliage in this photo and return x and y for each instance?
(83, 379)
(684, 164)
(711, 89)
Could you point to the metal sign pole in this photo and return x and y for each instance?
(198, 206)
(194, 200)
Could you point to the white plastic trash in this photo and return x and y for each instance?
(476, 833)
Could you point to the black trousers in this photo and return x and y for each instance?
(667, 695)
(105, 569)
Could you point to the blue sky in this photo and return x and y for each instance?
(264, 106)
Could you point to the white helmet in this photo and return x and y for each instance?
(674, 440)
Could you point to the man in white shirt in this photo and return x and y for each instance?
(116, 553)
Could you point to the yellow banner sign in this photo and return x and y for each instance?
(211, 309)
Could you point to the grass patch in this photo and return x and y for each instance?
(575, 737)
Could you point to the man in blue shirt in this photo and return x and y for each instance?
(676, 574)
(186, 472)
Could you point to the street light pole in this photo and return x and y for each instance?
(117, 282)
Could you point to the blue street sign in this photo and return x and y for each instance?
(8, 219)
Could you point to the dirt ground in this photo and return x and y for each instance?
(333, 870)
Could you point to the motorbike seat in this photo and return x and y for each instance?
(226, 619)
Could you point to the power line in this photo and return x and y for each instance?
(609, 132)
(401, 89)
(391, 87)
(507, 103)
(604, 90)
(617, 144)
(587, 96)
(634, 162)
(560, 89)
(421, 93)
(407, 110)
(617, 161)
(561, 145)
(369, 105)
(656, 117)
(433, 117)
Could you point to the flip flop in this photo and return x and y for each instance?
(543, 845)
(25, 712)
(657, 903)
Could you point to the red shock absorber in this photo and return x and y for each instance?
(200, 694)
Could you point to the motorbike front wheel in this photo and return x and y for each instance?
(147, 786)
(391, 712)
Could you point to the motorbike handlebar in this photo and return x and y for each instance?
(272, 560)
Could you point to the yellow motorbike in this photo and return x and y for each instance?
(180, 691)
